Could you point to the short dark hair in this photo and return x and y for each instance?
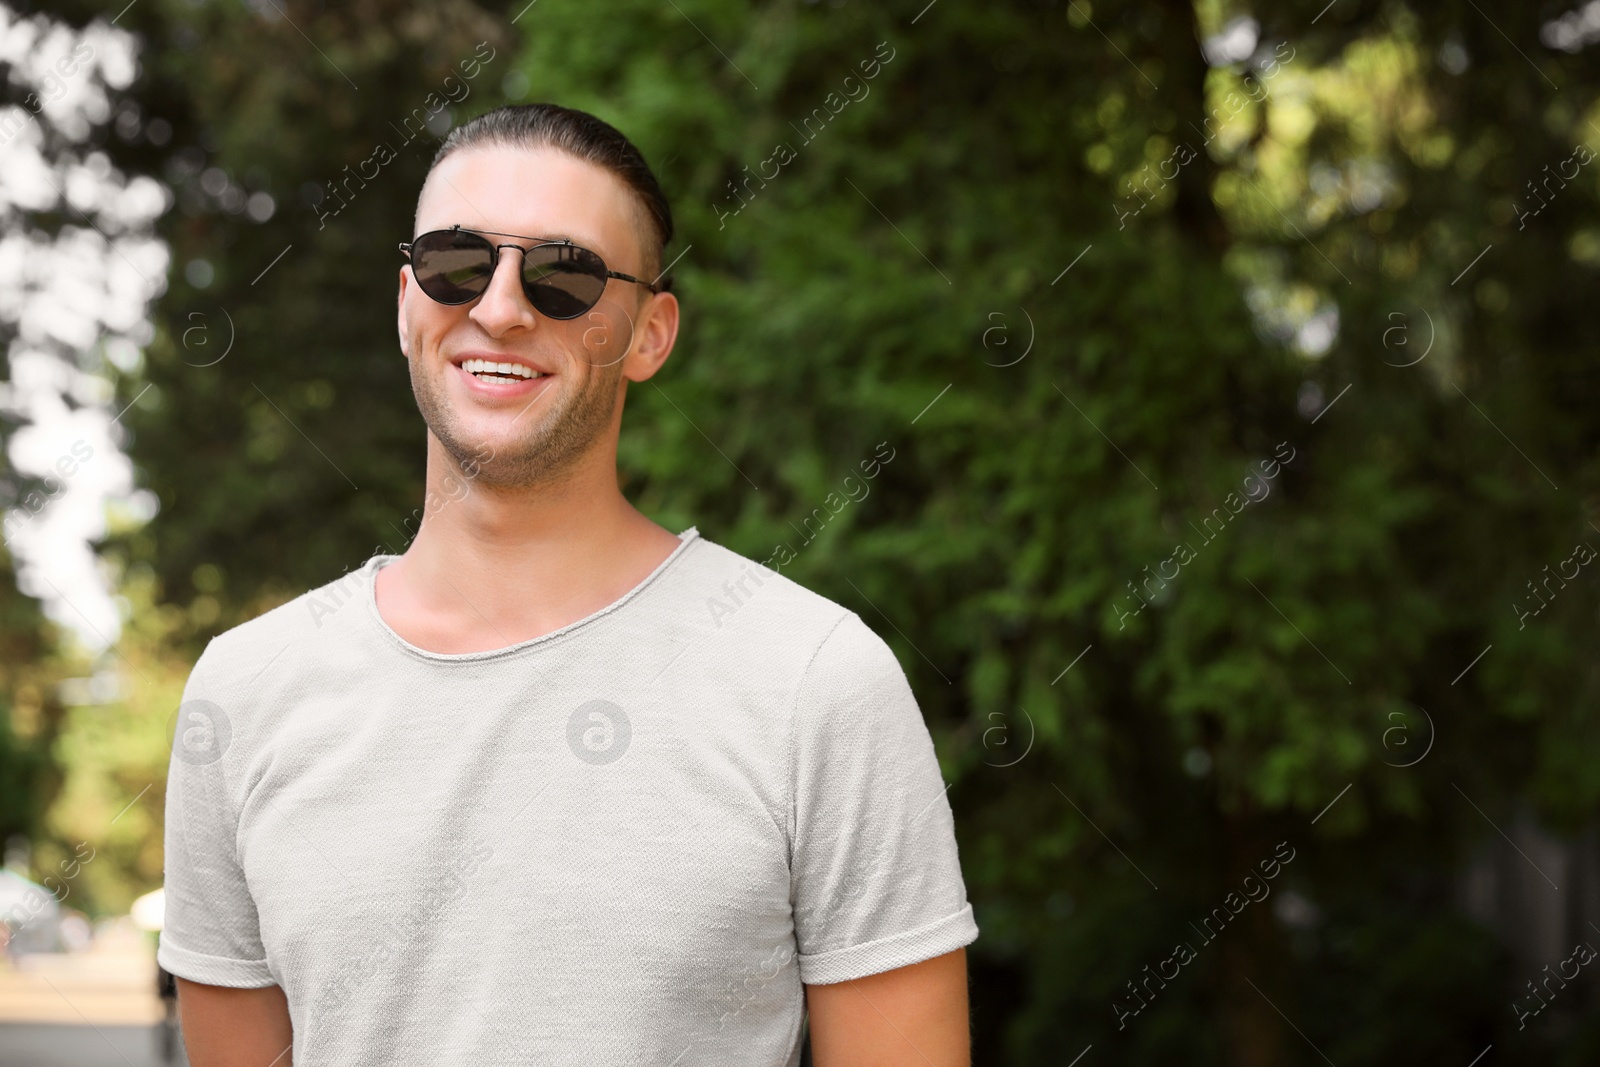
(582, 136)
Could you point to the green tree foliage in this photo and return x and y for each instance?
(30, 713)
(1300, 648)
(52, 91)
(281, 418)
(1082, 284)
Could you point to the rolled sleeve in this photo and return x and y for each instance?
(210, 929)
(875, 876)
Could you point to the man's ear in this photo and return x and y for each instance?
(653, 338)
(400, 311)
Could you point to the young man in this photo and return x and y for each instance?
(523, 794)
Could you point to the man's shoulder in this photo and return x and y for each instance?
(767, 623)
(735, 593)
(243, 651)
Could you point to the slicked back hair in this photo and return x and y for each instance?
(582, 136)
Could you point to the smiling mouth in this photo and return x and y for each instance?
(489, 371)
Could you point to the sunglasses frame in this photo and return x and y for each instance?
(539, 242)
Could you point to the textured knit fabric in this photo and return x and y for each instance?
(629, 841)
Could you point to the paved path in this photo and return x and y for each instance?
(113, 981)
(53, 1045)
(83, 1009)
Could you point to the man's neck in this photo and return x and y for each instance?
(491, 566)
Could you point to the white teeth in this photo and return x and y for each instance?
(484, 366)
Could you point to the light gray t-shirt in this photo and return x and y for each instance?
(628, 841)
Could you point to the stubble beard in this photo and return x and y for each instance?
(550, 441)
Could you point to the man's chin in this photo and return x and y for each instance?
(499, 461)
(476, 455)
(515, 448)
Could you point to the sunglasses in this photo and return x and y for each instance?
(560, 279)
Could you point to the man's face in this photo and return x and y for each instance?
(516, 432)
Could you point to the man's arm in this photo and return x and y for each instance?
(915, 1016)
(225, 1027)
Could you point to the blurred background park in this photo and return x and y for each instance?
(1240, 366)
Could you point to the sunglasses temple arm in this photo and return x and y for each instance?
(630, 278)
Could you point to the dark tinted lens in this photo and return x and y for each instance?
(563, 281)
(452, 266)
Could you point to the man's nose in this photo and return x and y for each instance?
(503, 305)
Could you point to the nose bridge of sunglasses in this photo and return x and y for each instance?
(489, 260)
(556, 279)
(537, 262)
(500, 253)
